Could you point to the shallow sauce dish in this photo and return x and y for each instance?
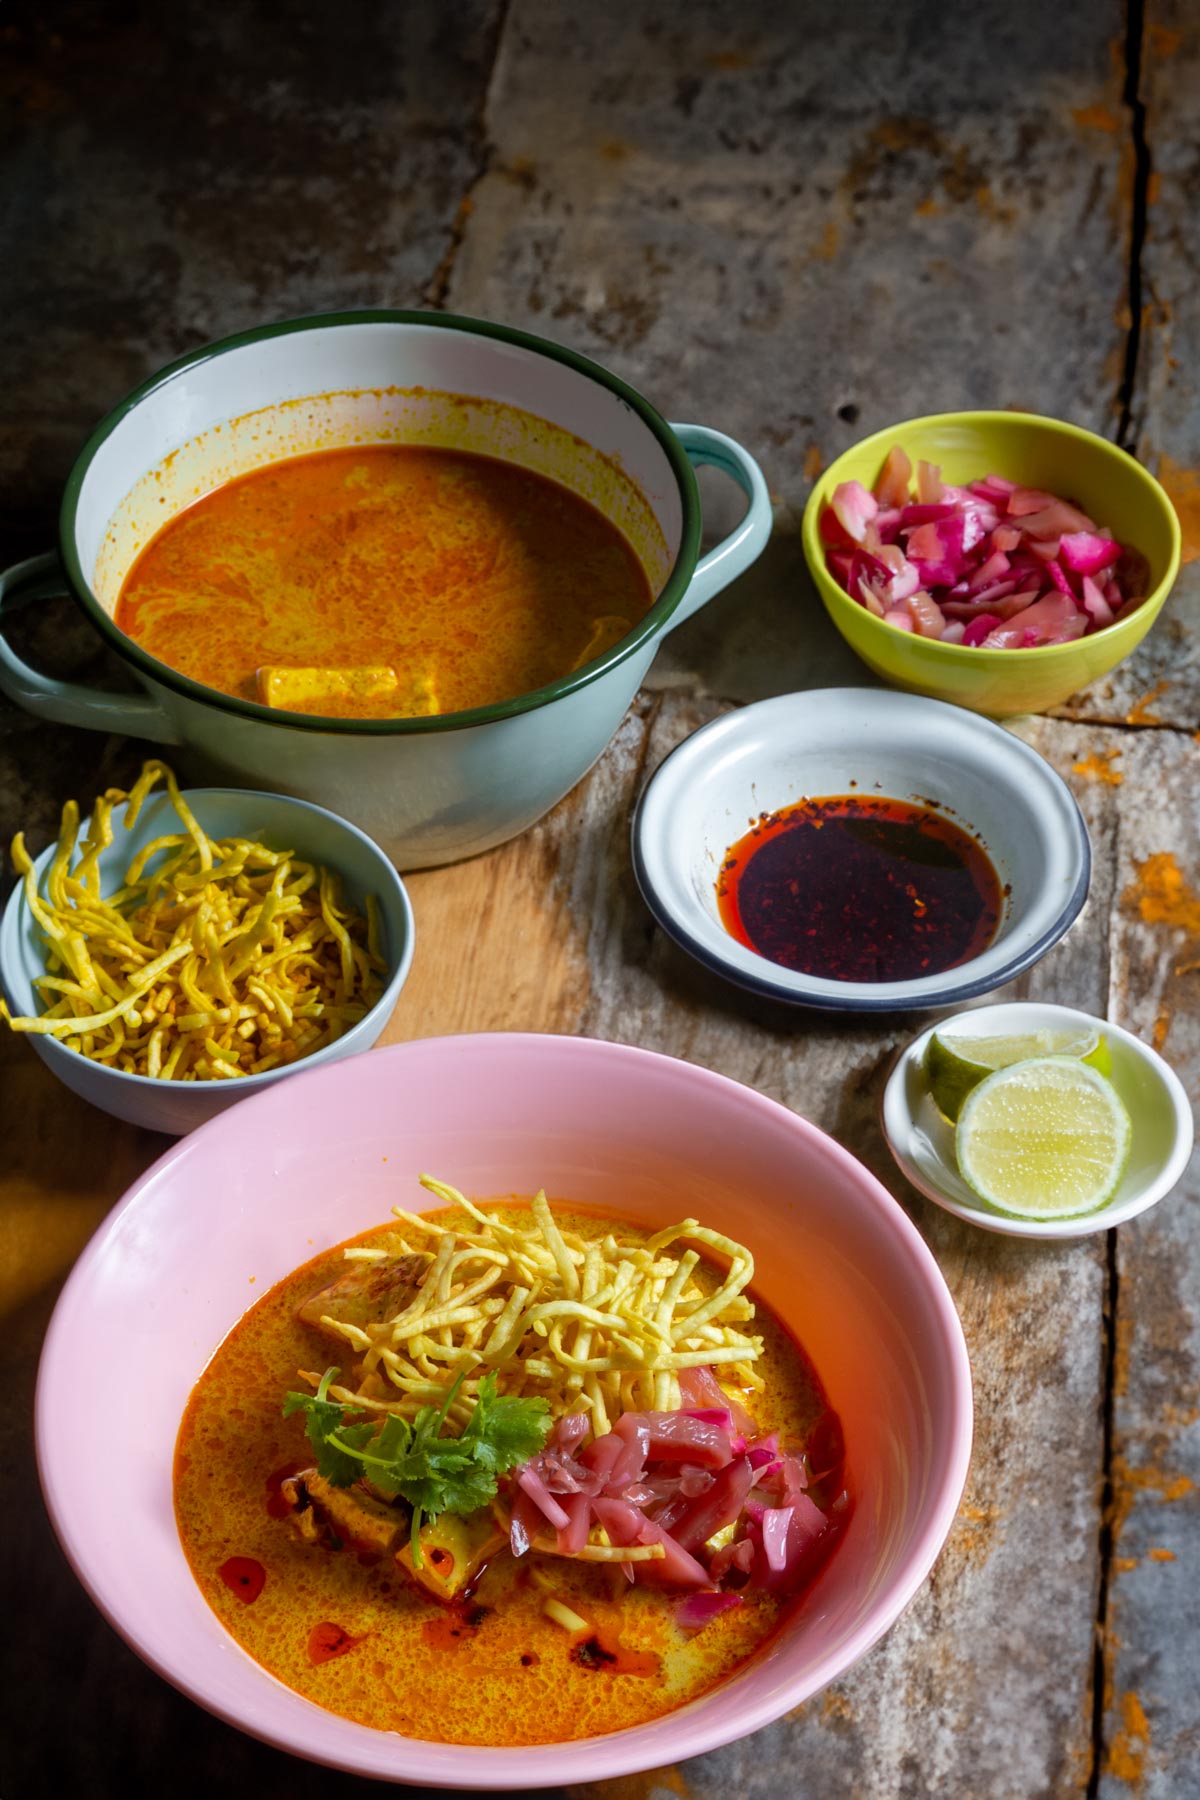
(922, 1140)
(282, 823)
(1037, 452)
(856, 740)
(233, 1209)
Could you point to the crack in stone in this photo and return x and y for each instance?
(1134, 34)
(1132, 727)
(1106, 1536)
(438, 287)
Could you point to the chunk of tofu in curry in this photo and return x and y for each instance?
(453, 1550)
(405, 693)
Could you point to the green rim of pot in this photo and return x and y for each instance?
(672, 593)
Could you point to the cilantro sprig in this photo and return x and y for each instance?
(433, 1473)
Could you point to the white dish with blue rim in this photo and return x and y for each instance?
(876, 743)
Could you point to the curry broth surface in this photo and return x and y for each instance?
(479, 576)
(495, 1672)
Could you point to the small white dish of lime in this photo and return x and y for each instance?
(922, 1138)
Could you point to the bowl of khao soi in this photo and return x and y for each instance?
(501, 1490)
(408, 566)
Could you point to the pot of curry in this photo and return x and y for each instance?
(408, 566)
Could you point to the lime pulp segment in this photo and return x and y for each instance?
(1047, 1138)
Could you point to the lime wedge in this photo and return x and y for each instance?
(1045, 1139)
(956, 1064)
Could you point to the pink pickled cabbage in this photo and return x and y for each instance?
(1087, 552)
(1028, 565)
(699, 1610)
(854, 506)
(1095, 604)
(700, 1388)
(891, 490)
(1054, 619)
(680, 1480)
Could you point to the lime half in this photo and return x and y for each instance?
(954, 1065)
(1044, 1139)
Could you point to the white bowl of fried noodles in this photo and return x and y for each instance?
(192, 992)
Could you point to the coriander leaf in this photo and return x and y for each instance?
(505, 1430)
(434, 1474)
(335, 1441)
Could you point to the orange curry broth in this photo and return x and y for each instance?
(354, 1635)
(483, 578)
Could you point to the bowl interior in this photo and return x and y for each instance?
(281, 823)
(922, 1139)
(1044, 453)
(244, 1200)
(853, 740)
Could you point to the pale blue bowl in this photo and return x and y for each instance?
(282, 823)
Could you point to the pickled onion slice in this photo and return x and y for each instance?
(940, 563)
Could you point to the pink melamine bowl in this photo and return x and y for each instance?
(245, 1199)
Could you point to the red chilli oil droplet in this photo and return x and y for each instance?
(855, 889)
(244, 1576)
(327, 1640)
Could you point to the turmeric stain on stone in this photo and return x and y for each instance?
(1099, 767)
(826, 246)
(1097, 117)
(1127, 1482)
(835, 1708)
(729, 62)
(1140, 713)
(1183, 490)
(1163, 41)
(1161, 895)
(1162, 1026)
(1127, 1752)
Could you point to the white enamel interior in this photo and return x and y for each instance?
(841, 740)
(370, 382)
(922, 1140)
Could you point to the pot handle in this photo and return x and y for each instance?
(748, 540)
(67, 702)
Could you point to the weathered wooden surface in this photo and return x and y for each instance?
(798, 226)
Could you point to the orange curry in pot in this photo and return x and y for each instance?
(384, 581)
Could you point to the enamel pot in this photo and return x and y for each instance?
(431, 789)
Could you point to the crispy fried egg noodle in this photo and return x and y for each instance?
(602, 1325)
(225, 958)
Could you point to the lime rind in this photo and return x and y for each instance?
(955, 1065)
(1025, 1162)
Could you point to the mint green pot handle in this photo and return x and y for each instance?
(67, 702)
(748, 540)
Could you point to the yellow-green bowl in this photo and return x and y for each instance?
(1042, 453)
